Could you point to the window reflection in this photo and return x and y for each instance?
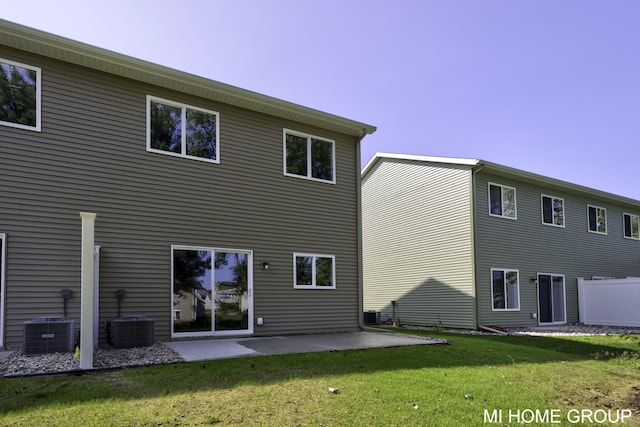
(192, 291)
(210, 291)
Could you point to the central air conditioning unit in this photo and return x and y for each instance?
(132, 331)
(47, 335)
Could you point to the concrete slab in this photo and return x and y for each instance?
(210, 349)
(226, 348)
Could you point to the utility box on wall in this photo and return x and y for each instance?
(47, 335)
(132, 331)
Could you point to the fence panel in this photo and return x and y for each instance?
(610, 302)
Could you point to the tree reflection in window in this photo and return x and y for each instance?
(192, 290)
(314, 271)
(181, 130)
(19, 86)
(309, 157)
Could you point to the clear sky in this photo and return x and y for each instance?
(551, 87)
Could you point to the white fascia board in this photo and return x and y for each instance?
(74, 52)
(413, 157)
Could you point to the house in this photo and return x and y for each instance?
(467, 243)
(197, 187)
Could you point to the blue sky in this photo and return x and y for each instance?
(551, 87)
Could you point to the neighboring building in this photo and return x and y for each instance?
(197, 186)
(467, 243)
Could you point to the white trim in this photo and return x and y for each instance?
(38, 71)
(564, 297)
(515, 203)
(623, 230)
(213, 332)
(552, 224)
(418, 158)
(3, 290)
(589, 220)
(309, 137)
(313, 271)
(183, 133)
(504, 273)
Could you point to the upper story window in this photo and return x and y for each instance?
(310, 157)
(631, 226)
(182, 130)
(314, 271)
(552, 211)
(19, 95)
(597, 219)
(505, 289)
(502, 201)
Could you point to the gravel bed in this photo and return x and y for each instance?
(17, 364)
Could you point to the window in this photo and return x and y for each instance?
(597, 219)
(19, 95)
(552, 211)
(181, 130)
(502, 201)
(631, 226)
(505, 289)
(310, 157)
(314, 271)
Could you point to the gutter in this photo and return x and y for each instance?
(359, 222)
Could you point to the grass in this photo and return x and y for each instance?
(439, 385)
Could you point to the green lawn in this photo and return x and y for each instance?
(459, 384)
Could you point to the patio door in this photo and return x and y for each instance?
(551, 299)
(212, 291)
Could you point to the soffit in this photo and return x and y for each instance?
(71, 51)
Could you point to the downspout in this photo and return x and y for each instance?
(359, 222)
(479, 166)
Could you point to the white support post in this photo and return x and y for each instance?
(87, 290)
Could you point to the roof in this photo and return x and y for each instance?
(67, 50)
(495, 168)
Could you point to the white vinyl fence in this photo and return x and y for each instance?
(611, 302)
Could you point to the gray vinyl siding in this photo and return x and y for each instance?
(531, 248)
(417, 242)
(91, 156)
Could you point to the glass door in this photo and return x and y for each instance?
(551, 299)
(212, 291)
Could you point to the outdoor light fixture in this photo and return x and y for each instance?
(265, 265)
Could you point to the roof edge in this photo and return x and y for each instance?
(68, 50)
(418, 158)
(478, 165)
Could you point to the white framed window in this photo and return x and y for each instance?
(3, 248)
(502, 201)
(505, 289)
(313, 271)
(309, 157)
(597, 218)
(182, 130)
(631, 225)
(20, 87)
(552, 211)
